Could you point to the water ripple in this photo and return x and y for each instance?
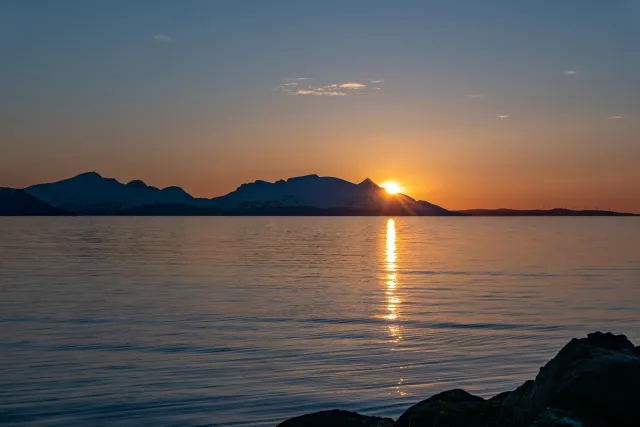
(248, 321)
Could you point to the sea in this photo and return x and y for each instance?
(248, 321)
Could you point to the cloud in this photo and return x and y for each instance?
(616, 117)
(318, 93)
(376, 81)
(162, 38)
(327, 87)
(306, 86)
(476, 95)
(352, 85)
(570, 73)
(504, 116)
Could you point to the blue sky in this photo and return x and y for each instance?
(467, 103)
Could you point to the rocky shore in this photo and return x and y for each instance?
(592, 382)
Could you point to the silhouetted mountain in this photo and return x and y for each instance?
(90, 193)
(322, 196)
(14, 202)
(541, 212)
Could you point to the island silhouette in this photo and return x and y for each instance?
(309, 195)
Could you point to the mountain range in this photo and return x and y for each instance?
(310, 195)
(91, 194)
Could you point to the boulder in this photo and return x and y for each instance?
(453, 408)
(596, 380)
(336, 418)
(592, 382)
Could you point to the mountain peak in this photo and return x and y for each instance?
(136, 183)
(369, 184)
(92, 174)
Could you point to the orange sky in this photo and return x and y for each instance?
(466, 106)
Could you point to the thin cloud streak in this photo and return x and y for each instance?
(319, 93)
(570, 73)
(352, 85)
(616, 117)
(162, 38)
(303, 86)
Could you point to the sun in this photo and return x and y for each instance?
(391, 187)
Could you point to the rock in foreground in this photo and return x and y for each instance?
(337, 418)
(592, 382)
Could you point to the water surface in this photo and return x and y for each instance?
(249, 321)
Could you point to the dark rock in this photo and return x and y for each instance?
(336, 418)
(500, 397)
(595, 379)
(453, 408)
(555, 418)
(592, 382)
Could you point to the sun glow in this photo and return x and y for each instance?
(391, 187)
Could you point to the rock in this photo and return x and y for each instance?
(336, 418)
(554, 418)
(592, 382)
(595, 379)
(453, 408)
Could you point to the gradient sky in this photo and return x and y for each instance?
(467, 104)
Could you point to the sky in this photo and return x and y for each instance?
(467, 104)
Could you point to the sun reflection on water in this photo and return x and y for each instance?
(392, 300)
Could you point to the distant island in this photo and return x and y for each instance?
(541, 212)
(310, 195)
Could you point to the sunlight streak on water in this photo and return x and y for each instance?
(390, 258)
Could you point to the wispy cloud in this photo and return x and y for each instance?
(327, 87)
(318, 93)
(353, 85)
(616, 117)
(162, 38)
(504, 116)
(307, 86)
(476, 95)
(376, 81)
(570, 72)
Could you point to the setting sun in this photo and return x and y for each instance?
(391, 187)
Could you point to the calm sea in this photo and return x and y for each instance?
(249, 321)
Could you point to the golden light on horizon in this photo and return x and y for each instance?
(391, 187)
